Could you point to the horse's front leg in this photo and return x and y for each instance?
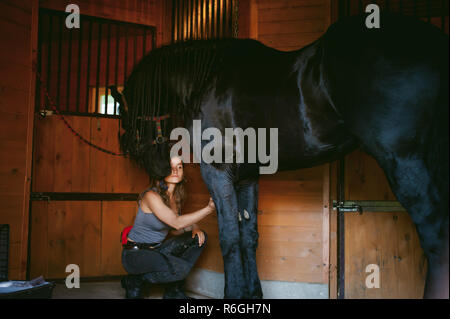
(248, 209)
(222, 191)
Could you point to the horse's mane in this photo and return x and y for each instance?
(169, 80)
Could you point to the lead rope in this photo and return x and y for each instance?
(53, 106)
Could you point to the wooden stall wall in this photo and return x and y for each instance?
(85, 233)
(291, 24)
(18, 30)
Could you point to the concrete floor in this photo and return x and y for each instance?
(108, 290)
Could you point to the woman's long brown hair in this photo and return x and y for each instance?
(179, 193)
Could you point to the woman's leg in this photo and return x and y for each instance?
(183, 251)
(171, 263)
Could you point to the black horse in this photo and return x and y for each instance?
(384, 90)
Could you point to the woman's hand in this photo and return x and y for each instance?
(211, 205)
(200, 234)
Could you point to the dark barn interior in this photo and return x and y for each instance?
(66, 202)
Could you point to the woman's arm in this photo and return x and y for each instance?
(168, 216)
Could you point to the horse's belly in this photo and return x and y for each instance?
(307, 155)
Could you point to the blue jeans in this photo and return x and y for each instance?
(170, 262)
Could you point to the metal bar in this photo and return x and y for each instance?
(125, 56)
(69, 67)
(108, 43)
(58, 90)
(207, 18)
(188, 19)
(99, 51)
(214, 15)
(182, 21)
(341, 232)
(369, 206)
(144, 42)
(202, 19)
(153, 38)
(39, 64)
(222, 18)
(174, 22)
(49, 55)
(89, 114)
(230, 18)
(194, 19)
(135, 48)
(88, 80)
(54, 196)
(80, 47)
(116, 71)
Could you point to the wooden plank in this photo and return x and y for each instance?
(98, 160)
(291, 41)
(305, 267)
(123, 175)
(291, 13)
(326, 223)
(18, 29)
(63, 155)
(12, 168)
(270, 4)
(39, 240)
(56, 240)
(81, 151)
(282, 27)
(73, 238)
(115, 216)
(365, 180)
(138, 11)
(332, 281)
(393, 245)
(90, 233)
(44, 159)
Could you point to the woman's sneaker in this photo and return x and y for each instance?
(132, 285)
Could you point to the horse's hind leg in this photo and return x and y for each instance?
(426, 200)
(248, 208)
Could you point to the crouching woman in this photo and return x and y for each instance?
(148, 255)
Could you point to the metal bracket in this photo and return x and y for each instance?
(39, 197)
(368, 206)
(347, 207)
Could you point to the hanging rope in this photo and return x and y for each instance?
(53, 106)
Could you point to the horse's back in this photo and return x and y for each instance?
(393, 79)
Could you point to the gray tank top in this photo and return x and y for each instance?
(148, 228)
